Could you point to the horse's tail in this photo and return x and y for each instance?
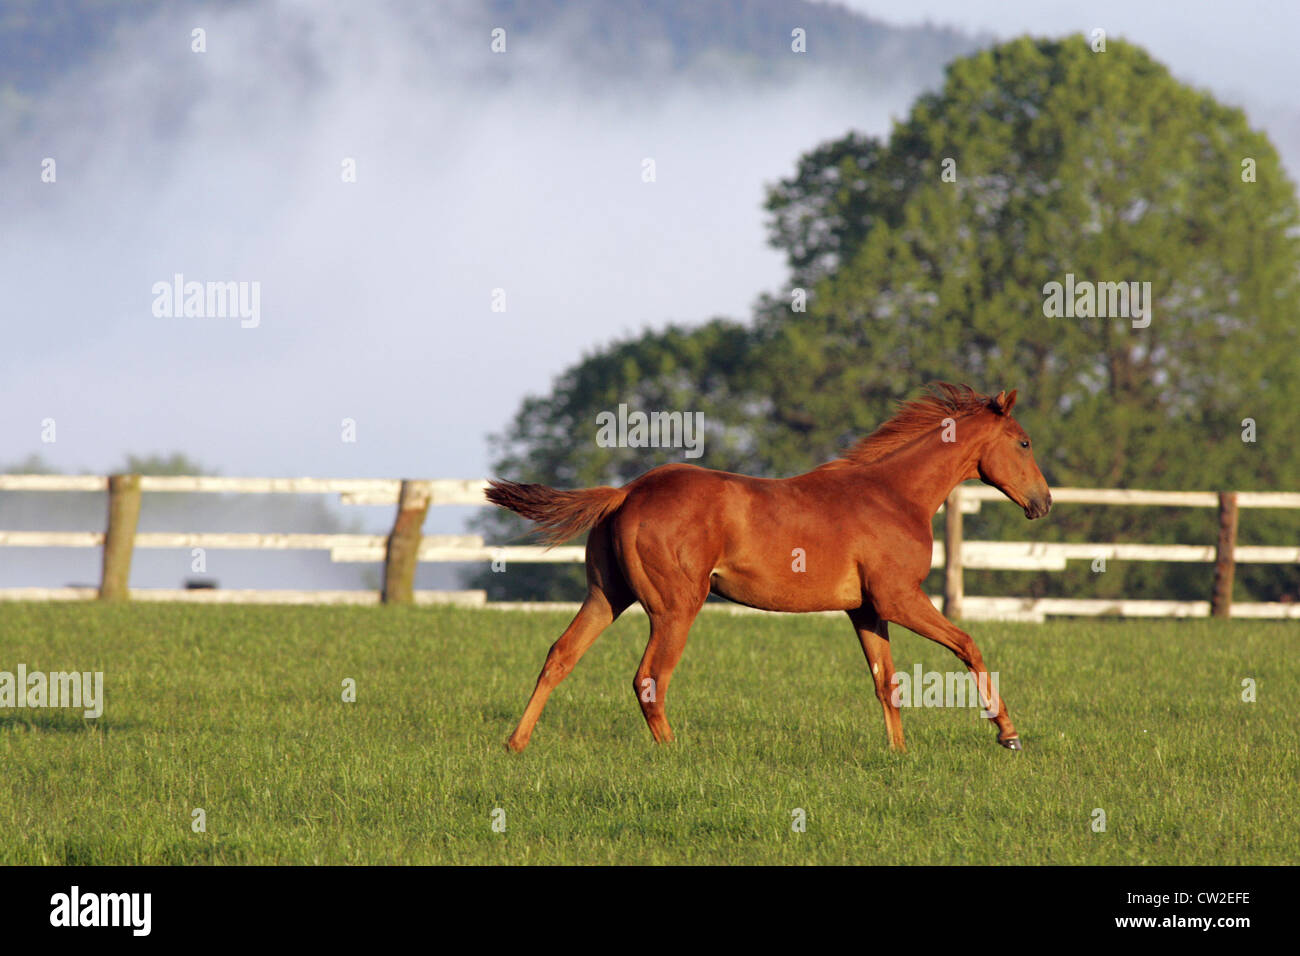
(560, 514)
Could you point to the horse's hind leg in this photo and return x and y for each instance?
(873, 633)
(668, 633)
(665, 570)
(607, 597)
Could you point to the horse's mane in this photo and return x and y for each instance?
(942, 400)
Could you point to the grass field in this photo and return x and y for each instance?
(239, 711)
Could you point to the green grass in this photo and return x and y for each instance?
(238, 711)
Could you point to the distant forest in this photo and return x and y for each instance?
(645, 42)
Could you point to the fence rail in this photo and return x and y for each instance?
(406, 545)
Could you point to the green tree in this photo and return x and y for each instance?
(177, 463)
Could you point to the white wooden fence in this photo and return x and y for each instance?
(406, 545)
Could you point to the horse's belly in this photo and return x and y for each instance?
(790, 589)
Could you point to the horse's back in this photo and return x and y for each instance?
(742, 537)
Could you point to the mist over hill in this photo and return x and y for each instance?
(643, 45)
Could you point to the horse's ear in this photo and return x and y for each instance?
(1002, 402)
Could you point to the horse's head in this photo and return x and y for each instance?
(1007, 461)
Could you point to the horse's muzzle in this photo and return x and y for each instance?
(1039, 505)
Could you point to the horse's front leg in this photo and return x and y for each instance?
(914, 611)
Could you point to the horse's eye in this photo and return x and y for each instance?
(1024, 444)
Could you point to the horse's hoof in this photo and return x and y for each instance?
(1011, 743)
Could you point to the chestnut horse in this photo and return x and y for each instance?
(861, 523)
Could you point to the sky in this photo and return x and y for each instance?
(1244, 50)
(376, 296)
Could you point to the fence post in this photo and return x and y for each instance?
(1224, 556)
(119, 538)
(403, 550)
(953, 586)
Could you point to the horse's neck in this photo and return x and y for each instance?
(927, 469)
